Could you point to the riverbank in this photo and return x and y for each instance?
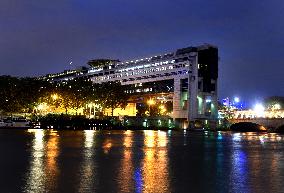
(78, 122)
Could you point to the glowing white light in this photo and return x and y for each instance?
(89, 138)
(276, 106)
(237, 99)
(208, 100)
(259, 110)
(237, 137)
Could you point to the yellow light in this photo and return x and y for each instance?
(262, 128)
(54, 96)
(162, 109)
(151, 102)
(42, 107)
(276, 106)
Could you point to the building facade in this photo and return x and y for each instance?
(188, 77)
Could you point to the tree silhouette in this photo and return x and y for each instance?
(112, 95)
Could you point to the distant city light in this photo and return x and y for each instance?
(237, 99)
(259, 110)
(276, 106)
(226, 102)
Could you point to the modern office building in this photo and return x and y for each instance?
(187, 77)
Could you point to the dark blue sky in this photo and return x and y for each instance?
(43, 36)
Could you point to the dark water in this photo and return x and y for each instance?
(140, 161)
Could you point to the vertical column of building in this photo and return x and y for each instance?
(176, 98)
(193, 90)
(214, 108)
(208, 76)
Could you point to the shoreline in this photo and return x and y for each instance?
(135, 129)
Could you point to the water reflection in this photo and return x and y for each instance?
(138, 180)
(239, 174)
(149, 161)
(220, 164)
(237, 137)
(107, 145)
(36, 175)
(184, 137)
(87, 168)
(149, 140)
(220, 136)
(43, 172)
(147, 173)
(155, 163)
(263, 138)
(265, 160)
(252, 157)
(128, 138)
(51, 166)
(89, 139)
(126, 167)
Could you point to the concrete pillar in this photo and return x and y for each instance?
(193, 90)
(176, 98)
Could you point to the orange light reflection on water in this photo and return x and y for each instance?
(43, 171)
(51, 167)
(107, 146)
(126, 167)
(155, 164)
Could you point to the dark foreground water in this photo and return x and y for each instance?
(140, 161)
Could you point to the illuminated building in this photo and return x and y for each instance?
(187, 77)
(236, 103)
(259, 113)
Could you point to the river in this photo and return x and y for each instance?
(140, 161)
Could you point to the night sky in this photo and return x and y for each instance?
(42, 36)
